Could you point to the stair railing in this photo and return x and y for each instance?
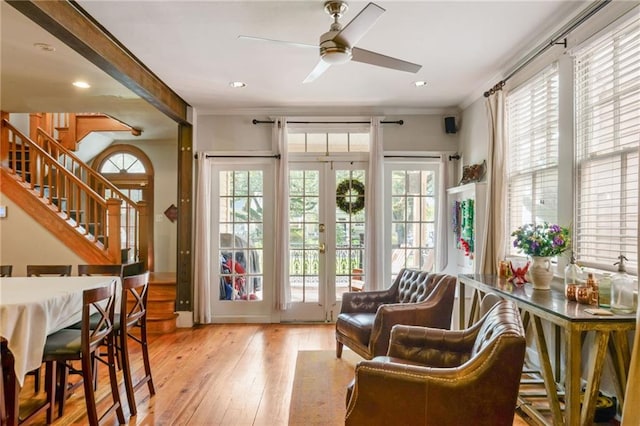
(62, 191)
(133, 240)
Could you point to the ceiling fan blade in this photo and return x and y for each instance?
(290, 43)
(358, 27)
(320, 68)
(368, 57)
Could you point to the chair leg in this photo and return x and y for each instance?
(89, 395)
(338, 349)
(50, 388)
(145, 356)
(63, 376)
(36, 382)
(126, 371)
(113, 378)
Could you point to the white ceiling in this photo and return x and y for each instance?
(193, 47)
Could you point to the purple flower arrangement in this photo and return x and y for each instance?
(541, 239)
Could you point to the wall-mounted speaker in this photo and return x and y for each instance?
(450, 125)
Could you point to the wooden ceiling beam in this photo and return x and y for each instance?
(68, 22)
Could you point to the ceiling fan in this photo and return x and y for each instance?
(337, 46)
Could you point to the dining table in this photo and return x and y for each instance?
(31, 308)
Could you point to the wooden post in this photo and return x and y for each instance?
(4, 148)
(35, 121)
(143, 233)
(113, 229)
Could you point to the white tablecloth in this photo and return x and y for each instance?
(33, 307)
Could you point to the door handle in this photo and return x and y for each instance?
(322, 248)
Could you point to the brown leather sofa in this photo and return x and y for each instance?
(443, 377)
(415, 298)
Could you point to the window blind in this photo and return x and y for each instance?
(532, 122)
(607, 102)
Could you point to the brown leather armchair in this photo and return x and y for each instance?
(415, 298)
(443, 377)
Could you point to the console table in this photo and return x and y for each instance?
(610, 332)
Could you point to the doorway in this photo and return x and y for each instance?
(326, 236)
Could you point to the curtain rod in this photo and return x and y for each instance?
(277, 156)
(562, 33)
(400, 122)
(413, 156)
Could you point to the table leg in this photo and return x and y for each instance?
(572, 378)
(598, 351)
(547, 372)
(461, 305)
(475, 304)
(620, 354)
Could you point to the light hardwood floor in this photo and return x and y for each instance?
(231, 374)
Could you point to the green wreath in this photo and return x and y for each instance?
(346, 190)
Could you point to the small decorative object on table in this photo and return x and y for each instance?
(518, 274)
(541, 242)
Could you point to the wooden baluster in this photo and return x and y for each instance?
(143, 233)
(113, 228)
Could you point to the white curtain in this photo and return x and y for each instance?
(374, 218)
(202, 279)
(631, 410)
(442, 247)
(283, 289)
(493, 244)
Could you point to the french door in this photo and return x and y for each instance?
(326, 237)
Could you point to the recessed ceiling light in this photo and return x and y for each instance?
(420, 83)
(44, 47)
(237, 84)
(81, 84)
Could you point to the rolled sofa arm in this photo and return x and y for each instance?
(434, 312)
(366, 301)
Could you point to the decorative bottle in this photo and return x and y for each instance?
(605, 290)
(593, 285)
(572, 274)
(623, 290)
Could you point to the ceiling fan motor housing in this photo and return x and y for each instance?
(333, 52)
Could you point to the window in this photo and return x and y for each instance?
(122, 162)
(240, 204)
(532, 121)
(326, 143)
(607, 102)
(411, 223)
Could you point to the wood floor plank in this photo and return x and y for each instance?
(223, 374)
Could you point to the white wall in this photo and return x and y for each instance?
(164, 158)
(239, 134)
(418, 133)
(24, 241)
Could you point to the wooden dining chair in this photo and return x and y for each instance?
(108, 270)
(82, 345)
(39, 271)
(133, 314)
(123, 271)
(5, 270)
(44, 270)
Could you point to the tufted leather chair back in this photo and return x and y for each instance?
(415, 286)
(500, 320)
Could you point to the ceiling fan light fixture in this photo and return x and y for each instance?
(336, 54)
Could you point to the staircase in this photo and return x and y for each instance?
(71, 128)
(59, 190)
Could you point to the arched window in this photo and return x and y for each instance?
(131, 171)
(122, 162)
